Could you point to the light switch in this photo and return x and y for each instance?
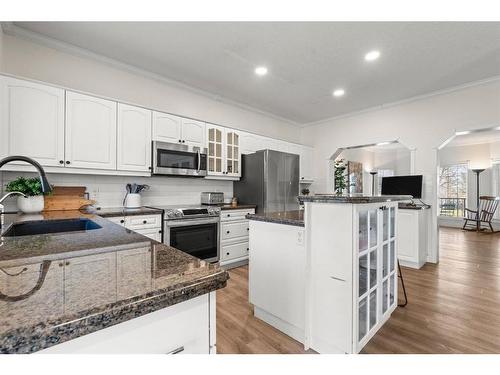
(300, 237)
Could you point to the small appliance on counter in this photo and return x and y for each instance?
(212, 198)
(133, 197)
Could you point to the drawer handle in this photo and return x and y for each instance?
(177, 351)
(337, 278)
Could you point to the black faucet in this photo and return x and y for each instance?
(46, 188)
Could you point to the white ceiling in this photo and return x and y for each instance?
(306, 61)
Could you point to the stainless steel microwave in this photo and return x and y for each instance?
(174, 159)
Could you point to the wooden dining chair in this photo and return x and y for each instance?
(484, 215)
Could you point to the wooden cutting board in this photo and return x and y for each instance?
(65, 198)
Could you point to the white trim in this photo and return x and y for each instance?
(13, 30)
(404, 101)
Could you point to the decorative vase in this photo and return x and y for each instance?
(31, 205)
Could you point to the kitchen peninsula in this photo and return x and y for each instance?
(103, 289)
(329, 279)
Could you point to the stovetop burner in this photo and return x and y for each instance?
(188, 211)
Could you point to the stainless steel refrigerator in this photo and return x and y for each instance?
(269, 179)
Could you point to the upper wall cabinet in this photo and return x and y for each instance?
(32, 122)
(134, 138)
(224, 154)
(166, 127)
(90, 132)
(306, 164)
(175, 129)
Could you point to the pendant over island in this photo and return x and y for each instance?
(326, 276)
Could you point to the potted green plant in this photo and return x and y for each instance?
(339, 176)
(31, 187)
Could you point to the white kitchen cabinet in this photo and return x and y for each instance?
(174, 129)
(277, 274)
(133, 272)
(90, 132)
(413, 237)
(147, 225)
(94, 274)
(193, 133)
(354, 263)
(224, 152)
(306, 164)
(184, 328)
(133, 138)
(32, 122)
(234, 228)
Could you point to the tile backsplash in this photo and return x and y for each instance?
(109, 191)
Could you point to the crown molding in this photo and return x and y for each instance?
(404, 101)
(9, 28)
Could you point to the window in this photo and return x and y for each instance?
(453, 189)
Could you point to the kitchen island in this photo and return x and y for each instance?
(107, 289)
(335, 278)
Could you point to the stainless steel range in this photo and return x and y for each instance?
(194, 230)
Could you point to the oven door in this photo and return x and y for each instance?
(179, 160)
(197, 237)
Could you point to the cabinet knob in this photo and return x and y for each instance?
(67, 263)
(183, 141)
(61, 161)
(68, 162)
(179, 141)
(228, 215)
(61, 264)
(248, 228)
(227, 253)
(122, 221)
(227, 232)
(144, 221)
(248, 248)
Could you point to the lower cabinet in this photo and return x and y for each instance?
(413, 237)
(184, 328)
(147, 225)
(233, 235)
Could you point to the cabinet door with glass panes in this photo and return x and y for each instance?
(375, 284)
(215, 150)
(233, 153)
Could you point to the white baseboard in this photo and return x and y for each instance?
(285, 327)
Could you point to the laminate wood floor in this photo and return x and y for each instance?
(454, 306)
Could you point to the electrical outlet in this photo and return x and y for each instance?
(300, 238)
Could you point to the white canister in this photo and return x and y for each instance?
(133, 200)
(31, 205)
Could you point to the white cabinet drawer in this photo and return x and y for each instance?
(234, 251)
(154, 234)
(120, 220)
(179, 329)
(229, 215)
(143, 222)
(234, 229)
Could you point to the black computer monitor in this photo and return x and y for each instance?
(402, 185)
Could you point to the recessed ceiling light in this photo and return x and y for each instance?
(261, 70)
(372, 55)
(338, 93)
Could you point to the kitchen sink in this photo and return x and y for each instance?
(30, 228)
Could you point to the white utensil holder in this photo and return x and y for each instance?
(133, 200)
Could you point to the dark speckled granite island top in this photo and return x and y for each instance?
(352, 199)
(57, 287)
(295, 217)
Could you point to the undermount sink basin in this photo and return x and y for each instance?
(31, 228)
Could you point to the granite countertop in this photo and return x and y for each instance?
(121, 211)
(353, 199)
(56, 287)
(295, 217)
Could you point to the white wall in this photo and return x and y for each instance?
(24, 58)
(422, 125)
